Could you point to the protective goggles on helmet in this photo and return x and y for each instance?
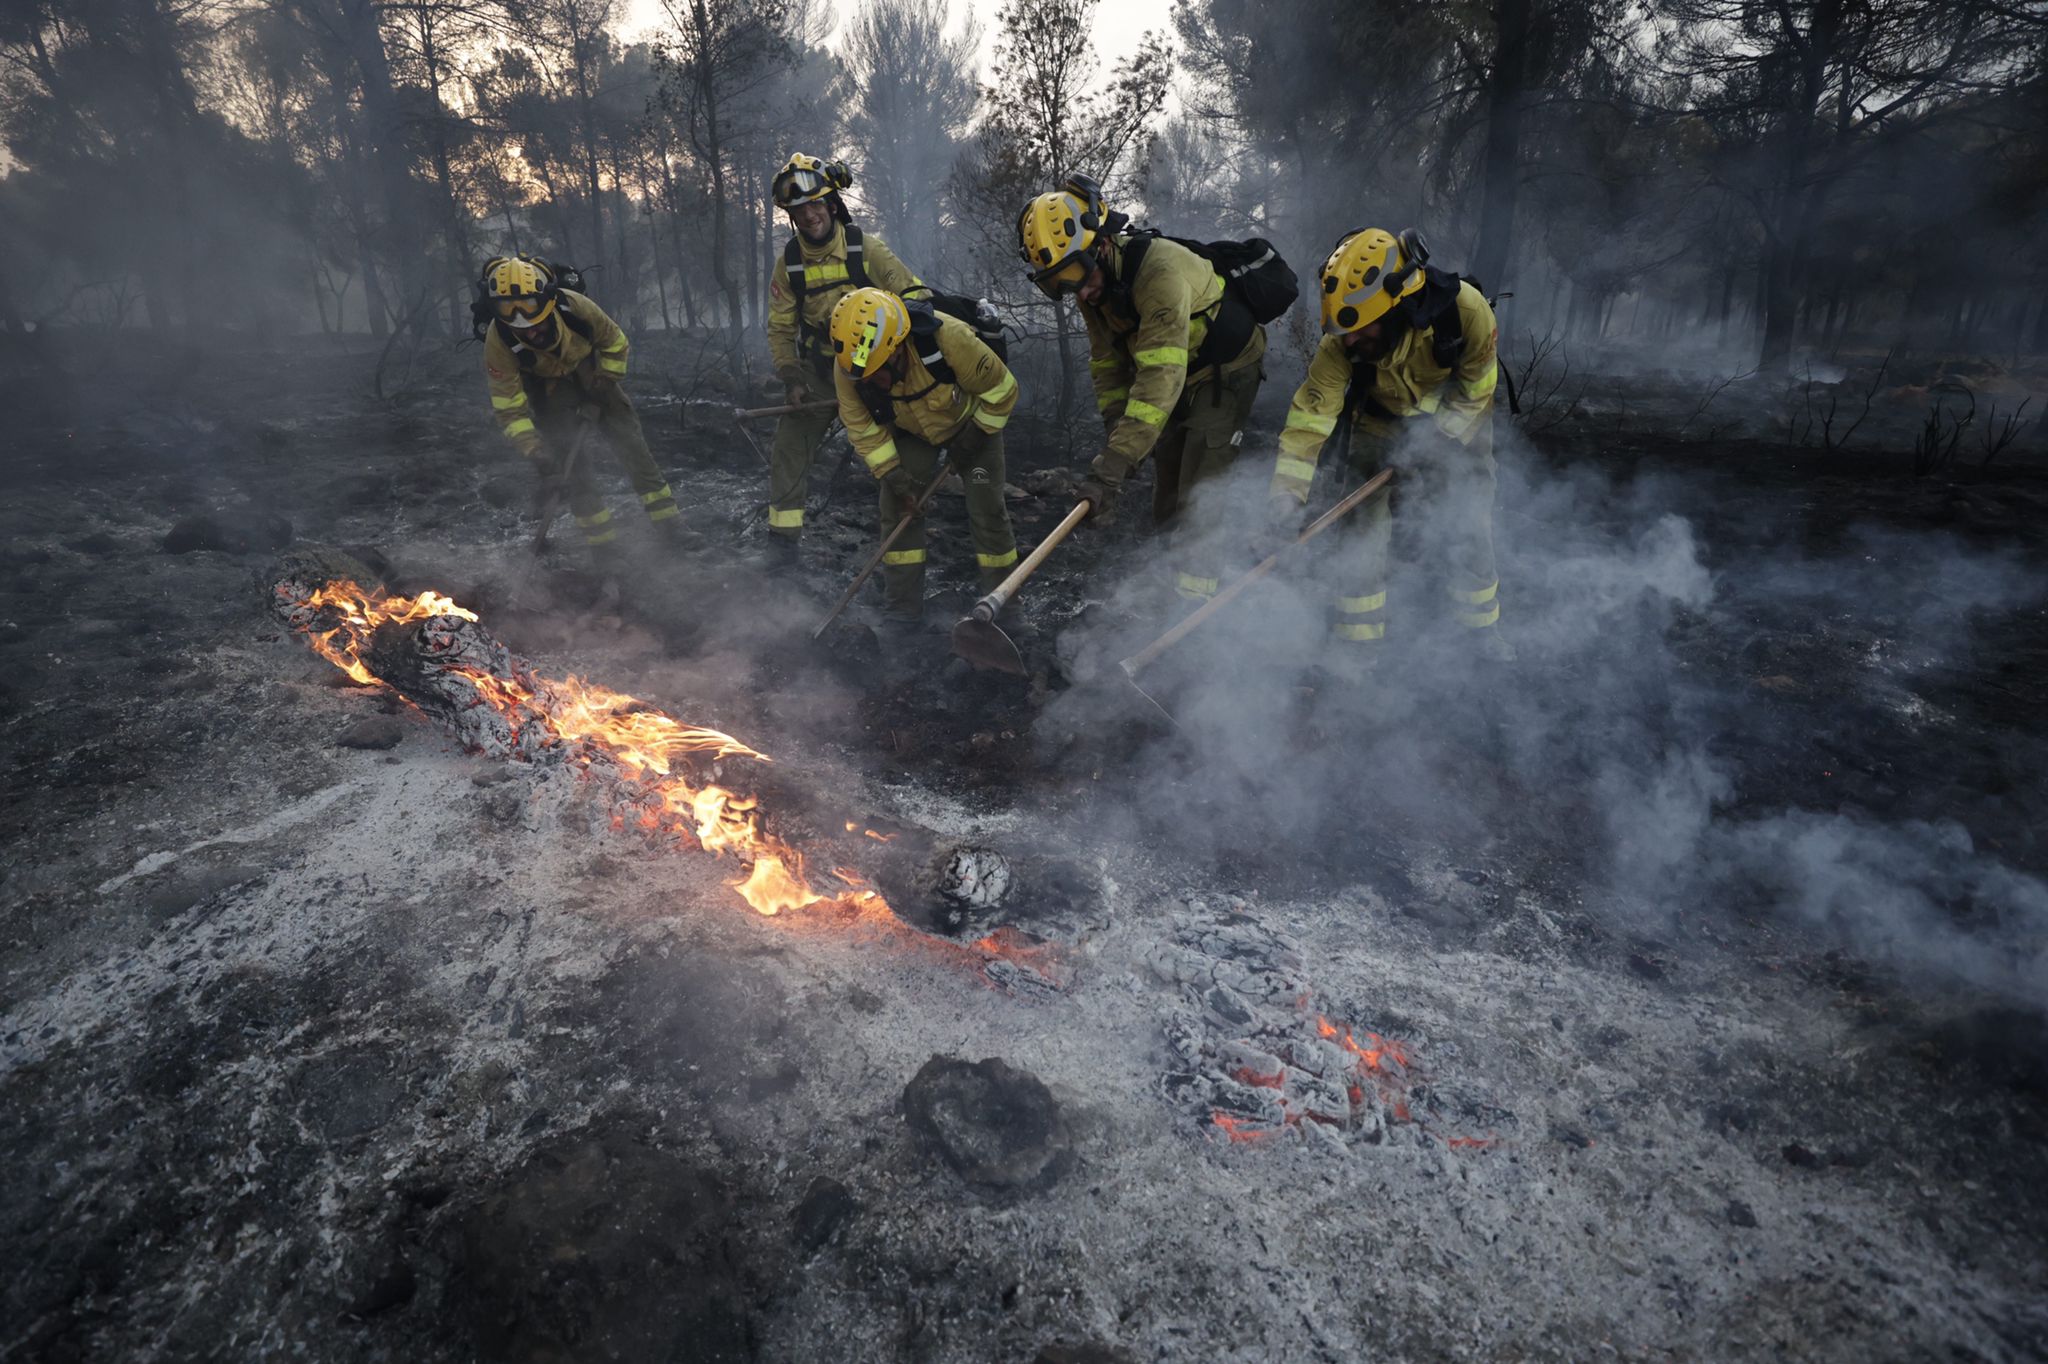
(793, 187)
(1064, 277)
(526, 312)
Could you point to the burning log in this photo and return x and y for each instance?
(679, 785)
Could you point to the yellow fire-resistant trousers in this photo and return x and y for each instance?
(1199, 443)
(554, 403)
(1451, 486)
(978, 456)
(797, 438)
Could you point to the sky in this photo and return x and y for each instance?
(1118, 23)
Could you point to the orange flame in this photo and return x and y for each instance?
(595, 723)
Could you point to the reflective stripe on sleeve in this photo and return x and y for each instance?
(881, 456)
(1109, 366)
(1195, 588)
(1145, 412)
(1483, 385)
(1109, 397)
(991, 422)
(611, 366)
(516, 400)
(1299, 420)
(1003, 389)
(519, 426)
(1294, 470)
(1162, 355)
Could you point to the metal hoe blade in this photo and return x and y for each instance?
(1152, 706)
(983, 643)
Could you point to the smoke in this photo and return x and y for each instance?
(1681, 658)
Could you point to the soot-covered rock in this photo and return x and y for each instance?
(231, 532)
(998, 1127)
(601, 1248)
(826, 1207)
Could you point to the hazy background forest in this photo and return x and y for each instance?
(1750, 184)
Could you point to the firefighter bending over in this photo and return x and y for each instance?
(554, 360)
(910, 381)
(1175, 361)
(1408, 358)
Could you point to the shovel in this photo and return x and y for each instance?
(916, 508)
(1130, 667)
(977, 638)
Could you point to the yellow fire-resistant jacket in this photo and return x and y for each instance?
(1138, 359)
(986, 393)
(1407, 383)
(603, 354)
(825, 279)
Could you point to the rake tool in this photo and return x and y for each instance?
(1129, 668)
(916, 509)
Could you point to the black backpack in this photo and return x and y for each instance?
(977, 313)
(1433, 306)
(1258, 287)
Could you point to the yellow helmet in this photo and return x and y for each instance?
(868, 326)
(521, 290)
(804, 178)
(1367, 274)
(1056, 231)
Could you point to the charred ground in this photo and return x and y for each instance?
(370, 1052)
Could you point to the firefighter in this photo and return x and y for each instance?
(1408, 357)
(1175, 362)
(553, 361)
(827, 256)
(910, 381)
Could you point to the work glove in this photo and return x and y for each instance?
(553, 488)
(1281, 525)
(899, 482)
(1103, 488)
(795, 389)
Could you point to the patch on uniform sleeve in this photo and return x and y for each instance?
(775, 289)
(1166, 317)
(494, 371)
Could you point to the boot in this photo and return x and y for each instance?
(779, 554)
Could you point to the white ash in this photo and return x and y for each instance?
(978, 877)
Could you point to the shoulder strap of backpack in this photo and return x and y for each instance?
(793, 266)
(856, 258)
(575, 323)
(924, 339)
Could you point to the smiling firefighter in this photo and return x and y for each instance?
(1408, 359)
(827, 257)
(553, 361)
(910, 381)
(1174, 356)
